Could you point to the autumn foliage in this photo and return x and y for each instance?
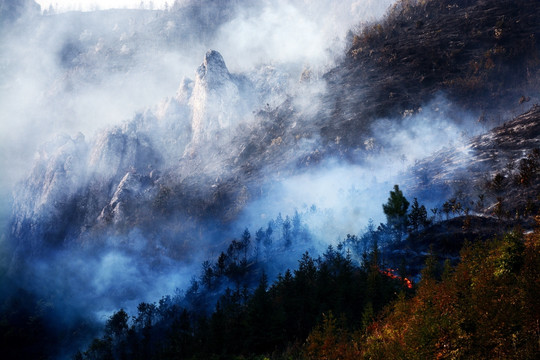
(487, 307)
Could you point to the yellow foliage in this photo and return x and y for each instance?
(487, 308)
(329, 341)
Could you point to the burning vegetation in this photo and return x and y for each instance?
(455, 277)
(391, 273)
(336, 307)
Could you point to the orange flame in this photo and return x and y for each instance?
(391, 274)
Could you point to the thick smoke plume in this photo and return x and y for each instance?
(117, 105)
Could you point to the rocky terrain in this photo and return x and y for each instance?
(224, 139)
(495, 174)
(482, 54)
(439, 96)
(184, 161)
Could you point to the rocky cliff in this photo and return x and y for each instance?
(224, 139)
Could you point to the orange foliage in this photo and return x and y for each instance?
(330, 341)
(485, 309)
(488, 307)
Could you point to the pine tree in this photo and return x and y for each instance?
(418, 216)
(396, 211)
(259, 238)
(246, 240)
(287, 237)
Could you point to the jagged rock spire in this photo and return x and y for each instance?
(215, 100)
(213, 72)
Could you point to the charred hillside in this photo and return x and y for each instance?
(495, 174)
(485, 188)
(483, 55)
(206, 153)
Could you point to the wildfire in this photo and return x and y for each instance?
(391, 273)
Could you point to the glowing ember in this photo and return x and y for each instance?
(391, 273)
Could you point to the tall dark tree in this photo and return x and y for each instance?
(207, 274)
(246, 241)
(261, 336)
(259, 238)
(396, 211)
(287, 236)
(418, 216)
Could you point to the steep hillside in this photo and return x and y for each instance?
(295, 162)
(486, 187)
(495, 174)
(484, 55)
(225, 139)
(196, 157)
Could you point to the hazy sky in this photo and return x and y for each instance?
(65, 5)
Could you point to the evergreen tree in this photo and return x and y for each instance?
(418, 216)
(396, 211)
(260, 333)
(259, 238)
(287, 236)
(246, 241)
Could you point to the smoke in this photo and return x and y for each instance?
(98, 283)
(83, 5)
(96, 73)
(57, 79)
(293, 33)
(74, 72)
(338, 197)
(93, 73)
(73, 292)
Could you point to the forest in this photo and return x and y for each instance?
(345, 304)
(376, 196)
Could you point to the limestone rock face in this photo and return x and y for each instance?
(132, 190)
(172, 158)
(217, 101)
(121, 149)
(39, 202)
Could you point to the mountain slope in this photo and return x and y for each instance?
(204, 154)
(129, 214)
(494, 174)
(196, 156)
(484, 55)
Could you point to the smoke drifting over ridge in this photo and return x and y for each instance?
(294, 33)
(349, 194)
(255, 137)
(83, 71)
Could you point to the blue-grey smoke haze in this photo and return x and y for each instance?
(103, 74)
